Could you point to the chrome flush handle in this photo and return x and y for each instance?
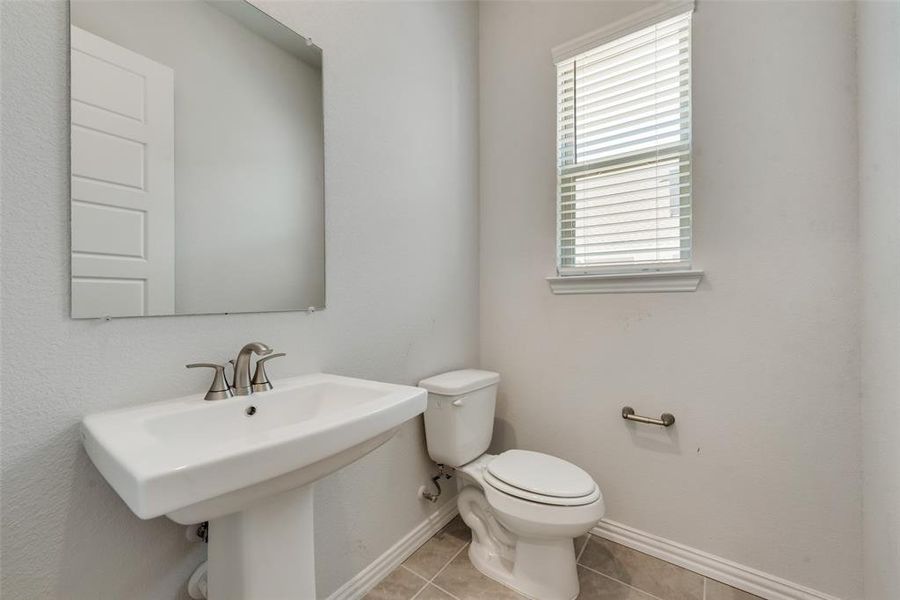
(219, 388)
(261, 381)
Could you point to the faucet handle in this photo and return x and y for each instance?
(261, 381)
(219, 388)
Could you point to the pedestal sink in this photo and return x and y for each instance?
(247, 465)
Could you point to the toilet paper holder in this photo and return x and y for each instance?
(665, 419)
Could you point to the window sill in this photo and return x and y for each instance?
(624, 283)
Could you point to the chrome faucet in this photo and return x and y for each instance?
(241, 384)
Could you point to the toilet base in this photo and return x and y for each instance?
(542, 569)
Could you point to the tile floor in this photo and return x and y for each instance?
(440, 570)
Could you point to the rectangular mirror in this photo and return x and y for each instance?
(197, 161)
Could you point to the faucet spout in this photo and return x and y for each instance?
(241, 384)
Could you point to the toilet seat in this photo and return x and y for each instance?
(541, 478)
(538, 498)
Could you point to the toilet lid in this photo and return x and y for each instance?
(541, 474)
(515, 492)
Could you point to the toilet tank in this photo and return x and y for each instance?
(459, 420)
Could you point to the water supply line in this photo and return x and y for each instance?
(433, 496)
(198, 532)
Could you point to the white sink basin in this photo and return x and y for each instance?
(195, 460)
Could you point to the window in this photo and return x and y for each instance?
(624, 150)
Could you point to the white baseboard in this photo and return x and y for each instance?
(369, 577)
(742, 577)
(750, 580)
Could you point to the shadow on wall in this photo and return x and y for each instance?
(504, 437)
(647, 437)
(654, 438)
(95, 516)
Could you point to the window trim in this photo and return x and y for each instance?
(660, 280)
(642, 18)
(648, 277)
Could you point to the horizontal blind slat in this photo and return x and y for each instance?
(659, 72)
(596, 198)
(567, 119)
(673, 44)
(614, 122)
(626, 100)
(599, 192)
(634, 137)
(632, 246)
(683, 212)
(589, 180)
(587, 230)
(593, 223)
(650, 82)
(621, 164)
(584, 241)
(618, 264)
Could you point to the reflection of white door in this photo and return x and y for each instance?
(123, 181)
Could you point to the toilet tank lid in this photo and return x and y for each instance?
(459, 382)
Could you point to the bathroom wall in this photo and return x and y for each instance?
(266, 174)
(878, 59)
(761, 365)
(401, 175)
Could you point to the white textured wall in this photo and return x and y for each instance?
(248, 154)
(402, 298)
(760, 366)
(879, 195)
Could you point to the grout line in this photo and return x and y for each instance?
(443, 590)
(430, 580)
(704, 587)
(645, 592)
(405, 568)
(427, 585)
(441, 570)
(587, 540)
(424, 585)
(419, 593)
(419, 575)
(447, 564)
(421, 589)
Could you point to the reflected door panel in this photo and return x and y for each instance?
(123, 181)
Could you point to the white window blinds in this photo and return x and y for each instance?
(624, 152)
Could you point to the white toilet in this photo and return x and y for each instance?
(524, 508)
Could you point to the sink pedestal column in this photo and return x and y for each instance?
(266, 551)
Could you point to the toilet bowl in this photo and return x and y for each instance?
(524, 508)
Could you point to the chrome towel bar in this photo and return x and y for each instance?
(665, 419)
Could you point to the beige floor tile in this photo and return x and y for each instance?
(432, 593)
(644, 572)
(462, 580)
(598, 587)
(434, 554)
(720, 591)
(399, 585)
